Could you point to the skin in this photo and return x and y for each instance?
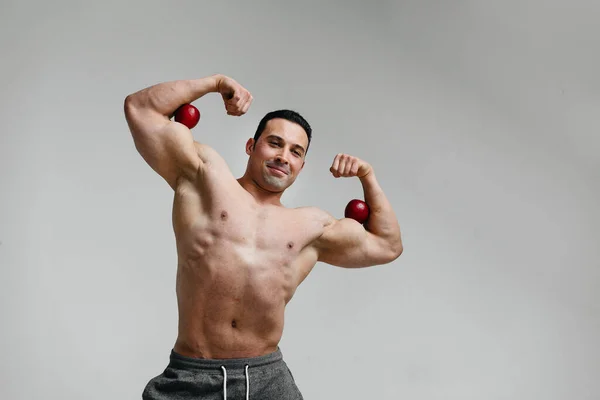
(241, 253)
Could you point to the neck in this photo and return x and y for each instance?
(261, 195)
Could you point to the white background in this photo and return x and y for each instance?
(481, 120)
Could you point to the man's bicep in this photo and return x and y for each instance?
(346, 243)
(168, 147)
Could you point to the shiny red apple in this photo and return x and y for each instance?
(357, 210)
(187, 115)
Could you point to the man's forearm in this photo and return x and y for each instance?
(382, 220)
(166, 97)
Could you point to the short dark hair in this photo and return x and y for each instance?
(289, 115)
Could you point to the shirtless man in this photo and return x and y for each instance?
(241, 254)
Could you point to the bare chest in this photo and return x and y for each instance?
(233, 229)
(254, 234)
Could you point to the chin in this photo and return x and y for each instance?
(276, 186)
(273, 184)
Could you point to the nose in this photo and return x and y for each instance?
(280, 159)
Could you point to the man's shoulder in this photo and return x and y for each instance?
(315, 214)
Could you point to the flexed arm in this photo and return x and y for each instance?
(347, 243)
(168, 146)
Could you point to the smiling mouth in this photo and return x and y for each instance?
(277, 169)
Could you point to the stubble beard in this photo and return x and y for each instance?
(277, 183)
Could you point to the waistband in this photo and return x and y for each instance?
(180, 361)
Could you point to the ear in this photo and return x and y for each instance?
(249, 146)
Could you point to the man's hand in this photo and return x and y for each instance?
(237, 99)
(345, 165)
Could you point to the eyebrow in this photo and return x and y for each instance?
(272, 136)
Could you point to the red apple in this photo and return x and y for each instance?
(187, 115)
(357, 210)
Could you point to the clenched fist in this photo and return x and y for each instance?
(345, 165)
(237, 99)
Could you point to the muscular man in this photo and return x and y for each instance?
(241, 254)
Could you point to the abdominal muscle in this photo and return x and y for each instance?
(229, 309)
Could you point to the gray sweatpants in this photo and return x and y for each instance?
(260, 378)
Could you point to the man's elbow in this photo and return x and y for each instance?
(395, 250)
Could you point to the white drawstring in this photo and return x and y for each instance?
(247, 384)
(225, 383)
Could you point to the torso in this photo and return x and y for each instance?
(239, 264)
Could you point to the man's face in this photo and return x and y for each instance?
(277, 157)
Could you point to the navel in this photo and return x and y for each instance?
(233, 324)
(224, 215)
(290, 245)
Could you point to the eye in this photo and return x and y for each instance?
(296, 152)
